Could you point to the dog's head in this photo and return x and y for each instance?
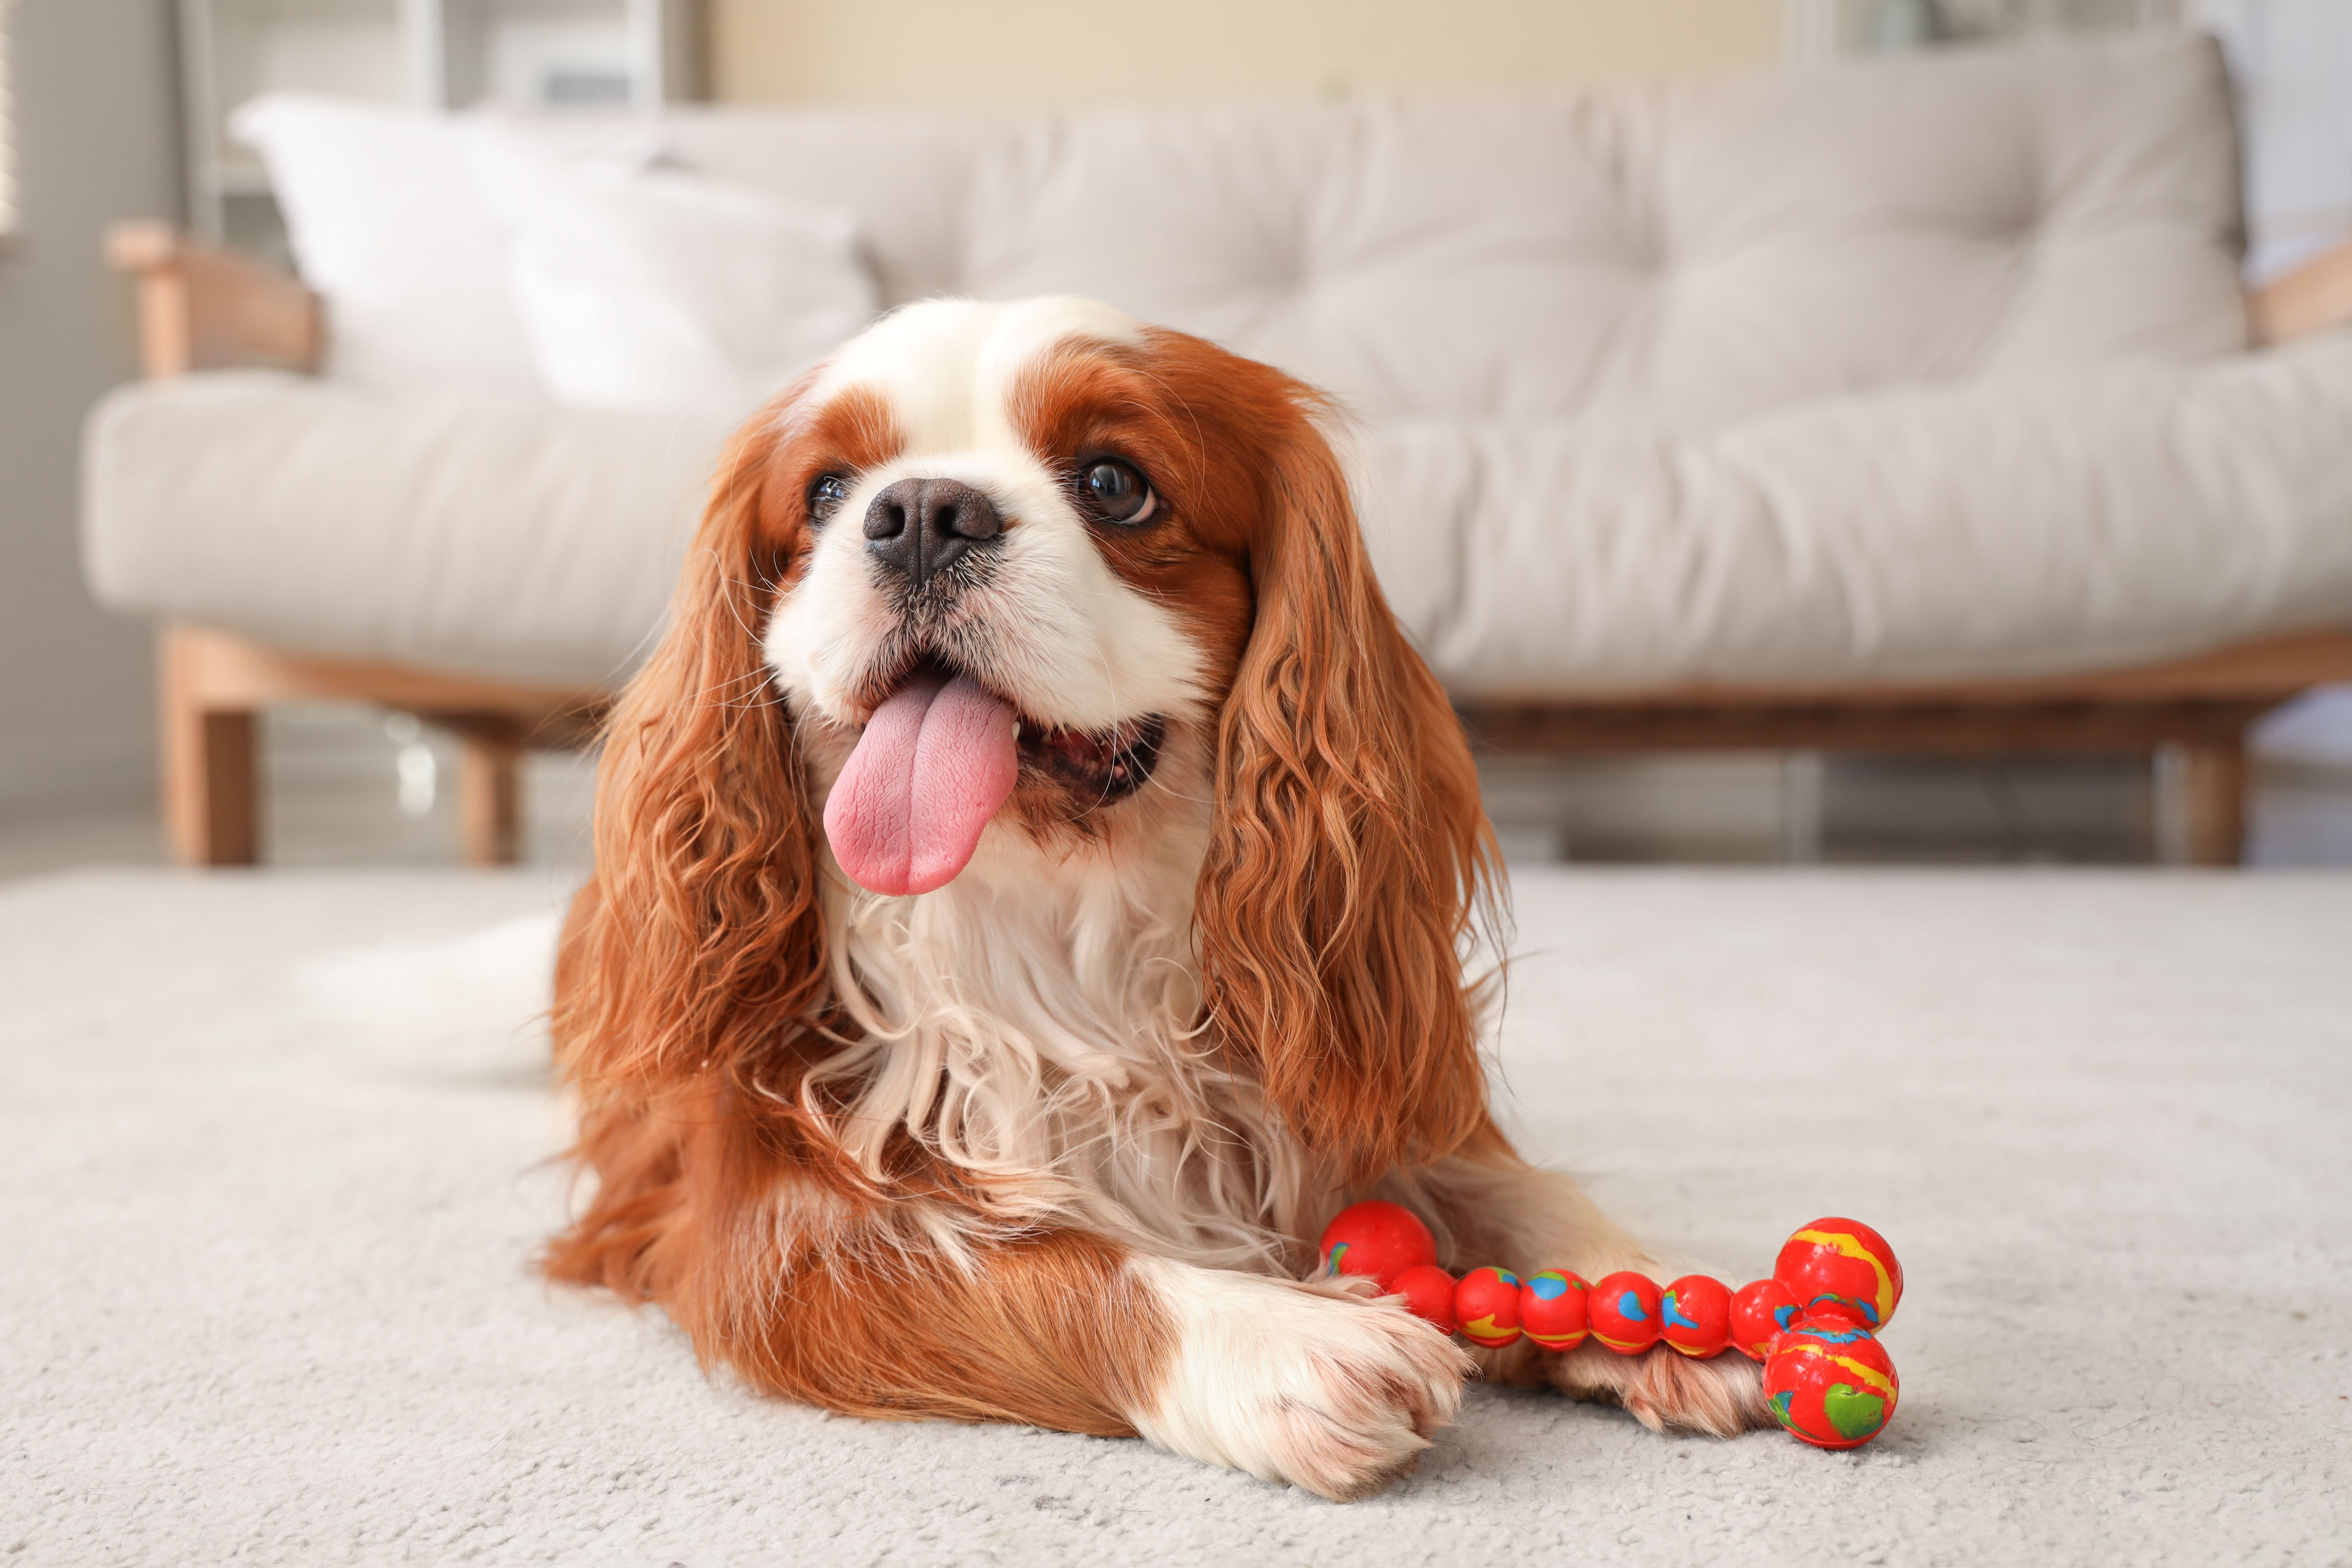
(1009, 590)
(1021, 580)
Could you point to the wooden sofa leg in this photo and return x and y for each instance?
(2214, 800)
(2201, 802)
(211, 768)
(489, 795)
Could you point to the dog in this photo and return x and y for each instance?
(1036, 887)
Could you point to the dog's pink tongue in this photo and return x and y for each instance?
(935, 762)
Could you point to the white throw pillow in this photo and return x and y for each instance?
(645, 285)
(387, 225)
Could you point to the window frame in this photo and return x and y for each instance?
(12, 212)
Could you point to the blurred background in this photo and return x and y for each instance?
(114, 109)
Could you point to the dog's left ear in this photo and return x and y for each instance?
(1351, 859)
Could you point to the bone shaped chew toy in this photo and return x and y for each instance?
(1814, 1324)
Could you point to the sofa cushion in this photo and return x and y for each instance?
(2075, 520)
(464, 534)
(384, 222)
(644, 286)
(1679, 256)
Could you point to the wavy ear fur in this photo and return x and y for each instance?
(693, 963)
(1352, 866)
(699, 938)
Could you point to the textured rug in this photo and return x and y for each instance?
(274, 1156)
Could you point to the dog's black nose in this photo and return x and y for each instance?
(918, 527)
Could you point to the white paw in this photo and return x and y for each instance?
(1311, 1385)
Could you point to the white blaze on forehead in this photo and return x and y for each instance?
(1056, 630)
(945, 367)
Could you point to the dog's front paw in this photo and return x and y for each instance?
(1661, 1388)
(1303, 1384)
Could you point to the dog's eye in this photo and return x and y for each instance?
(825, 497)
(1117, 494)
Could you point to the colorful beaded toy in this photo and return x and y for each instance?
(1814, 1324)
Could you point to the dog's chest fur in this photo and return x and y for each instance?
(1037, 1024)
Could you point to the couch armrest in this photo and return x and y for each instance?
(2314, 296)
(201, 308)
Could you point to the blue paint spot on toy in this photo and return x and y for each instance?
(1672, 1311)
(1548, 1286)
(1629, 1307)
(1867, 1308)
(1838, 1336)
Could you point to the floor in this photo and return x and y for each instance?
(350, 786)
(275, 1152)
(275, 1155)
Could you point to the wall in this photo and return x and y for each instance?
(1059, 52)
(2294, 65)
(96, 117)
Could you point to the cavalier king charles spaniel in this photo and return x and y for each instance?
(1034, 880)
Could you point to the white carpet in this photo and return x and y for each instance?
(270, 1174)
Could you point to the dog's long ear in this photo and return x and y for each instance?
(697, 942)
(1350, 865)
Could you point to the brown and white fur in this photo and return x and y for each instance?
(1050, 1144)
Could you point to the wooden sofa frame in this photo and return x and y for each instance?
(201, 308)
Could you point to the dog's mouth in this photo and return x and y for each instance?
(941, 754)
(1098, 767)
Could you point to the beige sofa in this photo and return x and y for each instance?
(1906, 406)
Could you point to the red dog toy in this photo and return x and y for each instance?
(1381, 1240)
(1814, 1324)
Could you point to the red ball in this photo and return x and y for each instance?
(1623, 1312)
(1696, 1312)
(1552, 1309)
(1428, 1292)
(1829, 1381)
(1844, 1267)
(1381, 1240)
(1759, 1313)
(1486, 1305)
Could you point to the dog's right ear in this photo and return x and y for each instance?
(697, 942)
(1350, 870)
